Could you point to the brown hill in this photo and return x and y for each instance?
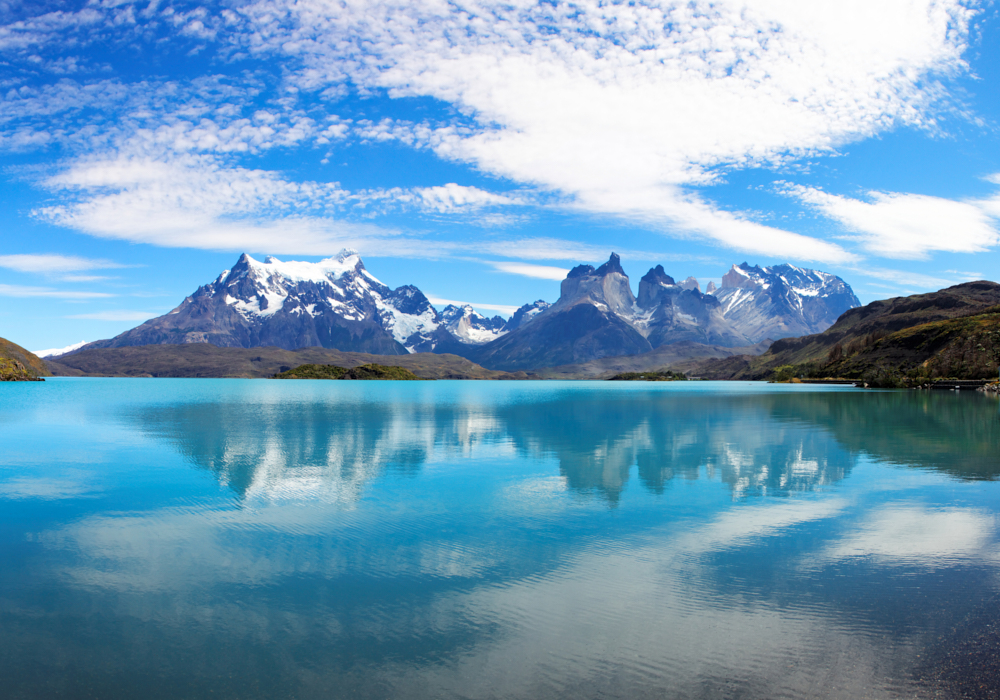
(948, 333)
(18, 364)
(204, 360)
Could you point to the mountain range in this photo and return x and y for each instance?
(336, 303)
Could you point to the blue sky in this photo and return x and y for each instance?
(480, 149)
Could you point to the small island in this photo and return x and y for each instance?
(660, 376)
(369, 371)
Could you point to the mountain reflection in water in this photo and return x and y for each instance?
(311, 540)
(756, 444)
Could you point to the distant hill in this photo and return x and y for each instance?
(18, 364)
(204, 360)
(954, 332)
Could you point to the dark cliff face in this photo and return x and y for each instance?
(591, 319)
(654, 285)
(582, 332)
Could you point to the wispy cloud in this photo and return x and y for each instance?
(121, 315)
(544, 272)
(452, 197)
(905, 278)
(502, 308)
(56, 264)
(907, 226)
(13, 290)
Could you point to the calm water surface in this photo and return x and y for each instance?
(258, 539)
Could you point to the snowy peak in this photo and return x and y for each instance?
(525, 314)
(743, 276)
(782, 300)
(470, 327)
(801, 281)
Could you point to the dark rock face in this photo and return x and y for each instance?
(677, 313)
(582, 332)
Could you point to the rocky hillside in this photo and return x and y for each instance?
(948, 333)
(19, 365)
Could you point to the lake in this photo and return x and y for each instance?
(199, 538)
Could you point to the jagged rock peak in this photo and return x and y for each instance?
(614, 264)
(657, 275)
(581, 271)
(710, 288)
(742, 276)
(525, 314)
(690, 283)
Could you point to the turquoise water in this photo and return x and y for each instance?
(259, 539)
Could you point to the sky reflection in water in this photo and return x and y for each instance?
(229, 538)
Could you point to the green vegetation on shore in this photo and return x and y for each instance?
(656, 376)
(907, 341)
(369, 371)
(20, 365)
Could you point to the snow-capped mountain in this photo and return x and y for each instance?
(471, 327)
(782, 300)
(597, 315)
(334, 303)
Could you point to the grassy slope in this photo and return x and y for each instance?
(863, 336)
(11, 353)
(373, 371)
(203, 360)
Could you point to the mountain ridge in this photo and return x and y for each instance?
(337, 303)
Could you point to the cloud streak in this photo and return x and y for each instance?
(49, 264)
(13, 290)
(908, 226)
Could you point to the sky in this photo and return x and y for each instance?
(481, 149)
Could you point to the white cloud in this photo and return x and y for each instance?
(502, 308)
(544, 272)
(622, 107)
(196, 201)
(906, 278)
(908, 226)
(13, 290)
(54, 264)
(118, 316)
(453, 197)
